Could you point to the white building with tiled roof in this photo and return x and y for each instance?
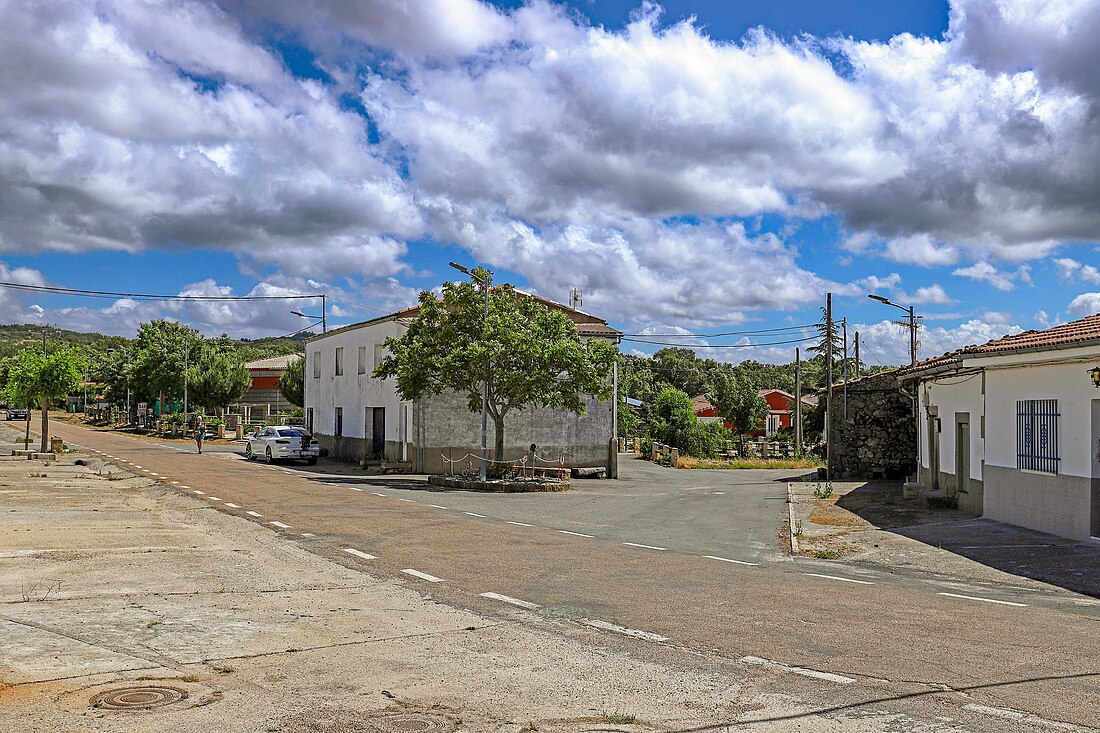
(356, 416)
(1012, 428)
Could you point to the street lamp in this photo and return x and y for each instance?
(321, 318)
(912, 326)
(484, 283)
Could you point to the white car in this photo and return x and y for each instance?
(283, 442)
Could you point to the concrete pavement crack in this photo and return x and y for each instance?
(148, 657)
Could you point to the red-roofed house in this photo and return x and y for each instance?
(1012, 427)
(780, 411)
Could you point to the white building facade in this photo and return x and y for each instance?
(358, 417)
(1012, 429)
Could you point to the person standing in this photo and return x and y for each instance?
(200, 432)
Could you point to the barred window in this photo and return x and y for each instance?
(1037, 435)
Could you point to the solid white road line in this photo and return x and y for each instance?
(645, 547)
(359, 553)
(986, 600)
(575, 534)
(254, 514)
(474, 514)
(726, 559)
(827, 676)
(422, 576)
(607, 626)
(837, 577)
(232, 505)
(521, 524)
(513, 601)
(280, 525)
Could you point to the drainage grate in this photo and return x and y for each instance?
(411, 723)
(137, 698)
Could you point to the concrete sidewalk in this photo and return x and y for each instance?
(869, 523)
(111, 581)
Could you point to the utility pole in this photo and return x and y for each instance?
(829, 385)
(857, 355)
(912, 337)
(797, 401)
(844, 326)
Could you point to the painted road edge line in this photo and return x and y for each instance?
(575, 534)
(645, 547)
(608, 626)
(514, 601)
(770, 664)
(726, 559)
(986, 600)
(359, 553)
(422, 576)
(837, 577)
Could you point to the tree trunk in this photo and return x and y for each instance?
(45, 425)
(27, 433)
(498, 436)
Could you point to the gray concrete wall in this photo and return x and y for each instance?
(443, 424)
(1060, 505)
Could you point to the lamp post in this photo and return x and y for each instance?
(321, 318)
(485, 385)
(912, 326)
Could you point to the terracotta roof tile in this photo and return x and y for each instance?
(1075, 332)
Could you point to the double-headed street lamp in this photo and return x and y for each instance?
(484, 283)
(912, 326)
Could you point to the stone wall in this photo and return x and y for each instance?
(878, 438)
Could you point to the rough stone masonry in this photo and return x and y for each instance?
(878, 436)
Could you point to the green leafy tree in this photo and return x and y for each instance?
(160, 353)
(671, 417)
(527, 354)
(34, 379)
(217, 377)
(739, 402)
(292, 382)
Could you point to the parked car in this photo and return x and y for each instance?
(283, 442)
(17, 413)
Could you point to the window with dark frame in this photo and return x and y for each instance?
(339, 361)
(338, 426)
(1037, 435)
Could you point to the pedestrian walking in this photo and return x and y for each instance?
(200, 432)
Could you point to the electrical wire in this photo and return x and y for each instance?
(57, 290)
(727, 333)
(722, 346)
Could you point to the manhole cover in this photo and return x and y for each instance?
(412, 723)
(137, 698)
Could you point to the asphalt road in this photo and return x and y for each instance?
(680, 565)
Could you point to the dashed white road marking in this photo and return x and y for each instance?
(521, 524)
(422, 576)
(645, 547)
(409, 500)
(359, 553)
(377, 494)
(175, 483)
(827, 676)
(231, 504)
(213, 498)
(154, 474)
(354, 489)
(475, 514)
(308, 534)
(837, 577)
(513, 601)
(254, 514)
(280, 525)
(196, 491)
(607, 626)
(726, 559)
(1025, 718)
(135, 465)
(575, 534)
(184, 486)
(986, 600)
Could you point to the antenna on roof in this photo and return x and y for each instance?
(575, 298)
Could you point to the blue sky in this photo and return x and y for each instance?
(693, 167)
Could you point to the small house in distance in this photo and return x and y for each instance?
(265, 374)
(1012, 428)
(359, 417)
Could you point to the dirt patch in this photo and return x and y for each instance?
(828, 513)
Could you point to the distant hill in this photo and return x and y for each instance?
(15, 337)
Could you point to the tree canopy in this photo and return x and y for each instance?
(528, 354)
(34, 379)
(217, 376)
(292, 382)
(739, 402)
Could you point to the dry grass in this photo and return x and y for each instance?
(828, 513)
(721, 463)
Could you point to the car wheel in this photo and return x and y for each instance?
(248, 454)
(269, 458)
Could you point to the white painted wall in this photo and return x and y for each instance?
(352, 391)
(951, 395)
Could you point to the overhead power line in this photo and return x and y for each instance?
(726, 333)
(57, 290)
(720, 346)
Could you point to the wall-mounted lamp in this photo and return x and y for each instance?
(1095, 374)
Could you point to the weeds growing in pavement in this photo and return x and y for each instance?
(619, 718)
(824, 491)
